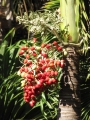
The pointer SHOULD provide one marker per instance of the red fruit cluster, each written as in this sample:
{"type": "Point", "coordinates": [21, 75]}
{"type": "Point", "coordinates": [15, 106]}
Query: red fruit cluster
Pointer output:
{"type": "Point", "coordinates": [39, 70]}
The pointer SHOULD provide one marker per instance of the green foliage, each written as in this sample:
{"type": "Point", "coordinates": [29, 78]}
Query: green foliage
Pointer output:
{"type": "Point", "coordinates": [11, 93]}
{"type": "Point", "coordinates": [85, 87]}
{"type": "Point", "coordinates": [82, 20]}
{"type": "Point", "coordinates": [88, 76]}
{"type": "Point", "coordinates": [52, 4]}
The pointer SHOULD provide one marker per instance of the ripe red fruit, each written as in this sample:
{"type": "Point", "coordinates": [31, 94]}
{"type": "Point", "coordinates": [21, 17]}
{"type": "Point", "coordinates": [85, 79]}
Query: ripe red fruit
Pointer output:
{"type": "Point", "coordinates": [55, 73]}
{"type": "Point", "coordinates": [29, 80]}
{"type": "Point", "coordinates": [28, 76]}
{"type": "Point", "coordinates": [51, 64]}
{"type": "Point", "coordinates": [48, 46]}
{"type": "Point", "coordinates": [26, 69]}
{"type": "Point", "coordinates": [42, 61]}
{"type": "Point", "coordinates": [32, 103]}
{"type": "Point", "coordinates": [47, 60]}
{"type": "Point", "coordinates": [54, 80]}
{"type": "Point", "coordinates": [32, 48]}
{"type": "Point", "coordinates": [49, 82]}
{"type": "Point", "coordinates": [44, 54]}
{"type": "Point", "coordinates": [32, 96]}
{"type": "Point", "coordinates": [62, 64]}
{"type": "Point", "coordinates": [22, 69]}
{"type": "Point", "coordinates": [25, 61]}
{"type": "Point", "coordinates": [26, 99]}
{"type": "Point", "coordinates": [39, 84]}
{"type": "Point", "coordinates": [27, 56]}
{"type": "Point", "coordinates": [25, 94]}
{"type": "Point", "coordinates": [29, 62]}
{"type": "Point", "coordinates": [43, 45]}
{"type": "Point", "coordinates": [57, 62]}
{"type": "Point", "coordinates": [55, 43]}
{"type": "Point", "coordinates": [44, 67]}
{"type": "Point", "coordinates": [47, 78]}
{"type": "Point", "coordinates": [24, 48]}
{"type": "Point", "coordinates": [59, 48]}
{"type": "Point", "coordinates": [52, 73]}
{"type": "Point", "coordinates": [21, 52]}
{"type": "Point", "coordinates": [34, 54]}
{"type": "Point", "coordinates": [34, 40]}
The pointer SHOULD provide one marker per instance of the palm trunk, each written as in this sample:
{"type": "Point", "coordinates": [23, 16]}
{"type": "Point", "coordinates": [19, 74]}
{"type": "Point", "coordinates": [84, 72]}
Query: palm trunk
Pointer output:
{"type": "Point", "coordinates": [69, 103]}
{"type": "Point", "coordinates": [6, 17]}
{"type": "Point", "coordinates": [0, 33]}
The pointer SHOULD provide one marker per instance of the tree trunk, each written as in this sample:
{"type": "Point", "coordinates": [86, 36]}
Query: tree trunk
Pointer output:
{"type": "Point", "coordinates": [6, 17]}
{"type": "Point", "coordinates": [69, 102]}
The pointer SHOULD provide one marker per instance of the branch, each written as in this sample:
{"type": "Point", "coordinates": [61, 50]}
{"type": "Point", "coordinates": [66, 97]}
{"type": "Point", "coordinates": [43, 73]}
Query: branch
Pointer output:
{"type": "Point", "coordinates": [52, 31]}
{"type": "Point", "coordinates": [57, 35]}
{"type": "Point", "coordinates": [73, 44]}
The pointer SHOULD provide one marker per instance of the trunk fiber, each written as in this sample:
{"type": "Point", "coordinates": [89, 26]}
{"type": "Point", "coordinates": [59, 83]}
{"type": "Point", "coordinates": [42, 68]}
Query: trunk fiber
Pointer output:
{"type": "Point", "coordinates": [69, 102]}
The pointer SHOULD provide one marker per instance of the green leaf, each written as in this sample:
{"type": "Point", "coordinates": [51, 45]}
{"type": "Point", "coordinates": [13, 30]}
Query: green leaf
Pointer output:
{"type": "Point", "coordinates": [10, 35]}
{"type": "Point", "coordinates": [43, 96]}
{"type": "Point", "coordinates": [49, 105]}
{"type": "Point", "coordinates": [41, 106]}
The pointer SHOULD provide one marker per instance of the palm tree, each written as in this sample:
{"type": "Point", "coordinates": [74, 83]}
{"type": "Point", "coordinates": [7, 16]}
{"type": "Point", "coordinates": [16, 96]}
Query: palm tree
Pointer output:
{"type": "Point", "coordinates": [70, 103]}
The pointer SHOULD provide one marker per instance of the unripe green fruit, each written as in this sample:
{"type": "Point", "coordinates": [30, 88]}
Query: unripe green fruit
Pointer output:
{"type": "Point", "coordinates": [38, 48]}
{"type": "Point", "coordinates": [65, 53]}
{"type": "Point", "coordinates": [19, 73]}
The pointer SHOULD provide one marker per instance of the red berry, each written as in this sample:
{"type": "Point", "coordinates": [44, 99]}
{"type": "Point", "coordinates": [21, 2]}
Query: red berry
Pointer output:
{"type": "Point", "coordinates": [27, 56]}
{"type": "Point", "coordinates": [34, 40]}
{"type": "Point", "coordinates": [44, 67]}
{"type": "Point", "coordinates": [34, 54]}
{"type": "Point", "coordinates": [55, 43]}
{"type": "Point", "coordinates": [21, 52]}
{"type": "Point", "coordinates": [48, 46]}
{"type": "Point", "coordinates": [42, 61]}
{"type": "Point", "coordinates": [32, 48]}
{"type": "Point", "coordinates": [55, 73]}
{"type": "Point", "coordinates": [26, 69]}
{"type": "Point", "coordinates": [49, 82]}
{"type": "Point", "coordinates": [22, 69]}
{"type": "Point", "coordinates": [51, 64]}
{"type": "Point", "coordinates": [39, 84]}
{"type": "Point", "coordinates": [32, 103]}
{"type": "Point", "coordinates": [44, 54]}
{"type": "Point", "coordinates": [43, 45]}
{"type": "Point", "coordinates": [25, 94]}
{"type": "Point", "coordinates": [62, 64]}
{"type": "Point", "coordinates": [32, 96]}
{"type": "Point", "coordinates": [54, 80]}
{"type": "Point", "coordinates": [25, 61]}
{"type": "Point", "coordinates": [52, 73]}
{"type": "Point", "coordinates": [24, 48]}
{"type": "Point", "coordinates": [59, 48]}
{"type": "Point", "coordinates": [57, 62]}
{"type": "Point", "coordinates": [47, 60]}
{"type": "Point", "coordinates": [29, 62]}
